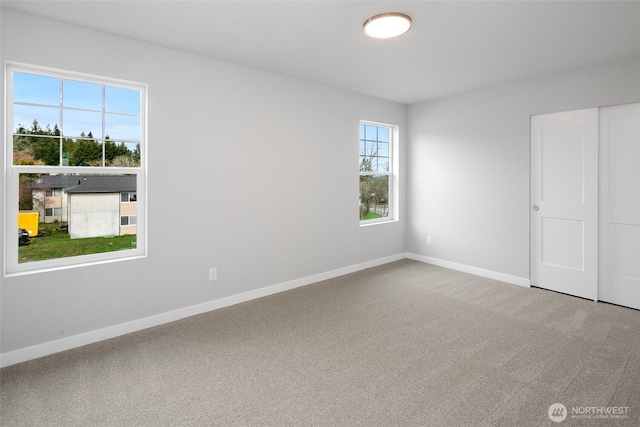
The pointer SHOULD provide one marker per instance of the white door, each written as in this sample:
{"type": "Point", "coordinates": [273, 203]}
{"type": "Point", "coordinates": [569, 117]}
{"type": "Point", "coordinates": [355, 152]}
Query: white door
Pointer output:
{"type": "Point", "coordinates": [620, 205]}
{"type": "Point", "coordinates": [564, 202]}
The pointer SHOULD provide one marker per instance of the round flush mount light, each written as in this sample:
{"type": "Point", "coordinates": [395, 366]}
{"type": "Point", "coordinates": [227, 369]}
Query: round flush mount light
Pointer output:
{"type": "Point", "coordinates": [387, 25]}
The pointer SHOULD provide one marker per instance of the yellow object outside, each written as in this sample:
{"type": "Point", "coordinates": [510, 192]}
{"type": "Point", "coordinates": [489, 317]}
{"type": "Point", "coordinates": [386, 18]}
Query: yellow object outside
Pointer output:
{"type": "Point", "coordinates": [29, 221]}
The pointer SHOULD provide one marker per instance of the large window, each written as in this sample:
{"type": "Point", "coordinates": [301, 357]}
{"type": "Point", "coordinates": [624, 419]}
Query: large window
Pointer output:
{"type": "Point", "coordinates": [74, 144]}
{"type": "Point", "coordinates": [377, 172]}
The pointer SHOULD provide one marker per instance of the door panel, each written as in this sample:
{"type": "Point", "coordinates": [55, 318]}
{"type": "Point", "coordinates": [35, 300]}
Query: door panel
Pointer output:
{"type": "Point", "coordinates": [562, 243]}
{"type": "Point", "coordinates": [564, 201]}
{"type": "Point", "coordinates": [620, 205]}
{"type": "Point", "coordinates": [562, 161]}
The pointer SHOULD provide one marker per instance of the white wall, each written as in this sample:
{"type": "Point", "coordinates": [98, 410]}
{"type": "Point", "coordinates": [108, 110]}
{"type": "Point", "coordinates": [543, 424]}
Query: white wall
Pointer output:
{"type": "Point", "coordinates": [94, 215]}
{"type": "Point", "coordinates": [468, 165]}
{"type": "Point", "coordinates": [270, 164]}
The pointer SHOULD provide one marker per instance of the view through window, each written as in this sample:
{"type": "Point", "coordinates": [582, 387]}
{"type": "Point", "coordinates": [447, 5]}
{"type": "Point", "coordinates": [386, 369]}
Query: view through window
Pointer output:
{"type": "Point", "coordinates": [375, 171]}
{"type": "Point", "coordinates": [75, 167]}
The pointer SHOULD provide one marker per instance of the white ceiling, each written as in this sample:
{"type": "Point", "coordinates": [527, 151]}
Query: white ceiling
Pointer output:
{"type": "Point", "coordinates": [453, 47]}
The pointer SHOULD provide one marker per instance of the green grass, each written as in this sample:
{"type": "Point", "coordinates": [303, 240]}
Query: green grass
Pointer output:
{"type": "Point", "coordinates": [59, 245]}
{"type": "Point", "coordinates": [370, 215]}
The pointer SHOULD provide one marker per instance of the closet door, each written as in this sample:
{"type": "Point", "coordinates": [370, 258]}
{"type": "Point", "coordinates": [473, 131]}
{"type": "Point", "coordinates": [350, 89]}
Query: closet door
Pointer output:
{"type": "Point", "coordinates": [620, 205]}
{"type": "Point", "coordinates": [564, 202]}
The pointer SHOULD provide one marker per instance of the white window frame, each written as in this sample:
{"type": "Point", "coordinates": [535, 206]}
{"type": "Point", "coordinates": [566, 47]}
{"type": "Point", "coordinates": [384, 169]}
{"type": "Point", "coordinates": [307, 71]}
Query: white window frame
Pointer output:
{"type": "Point", "coordinates": [394, 181]}
{"type": "Point", "coordinates": [11, 174]}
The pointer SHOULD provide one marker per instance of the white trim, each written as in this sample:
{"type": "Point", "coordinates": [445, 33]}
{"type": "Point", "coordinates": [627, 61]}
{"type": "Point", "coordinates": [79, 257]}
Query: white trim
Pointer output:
{"type": "Point", "coordinates": [73, 75]}
{"type": "Point", "coordinates": [393, 196]}
{"type": "Point", "coordinates": [514, 280]}
{"type": "Point", "coordinates": [11, 172]}
{"type": "Point", "coordinates": [51, 347]}
{"type": "Point", "coordinates": [377, 221]}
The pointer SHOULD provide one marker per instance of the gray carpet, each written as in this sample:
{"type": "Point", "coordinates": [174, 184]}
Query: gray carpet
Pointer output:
{"type": "Point", "coordinates": [404, 344]}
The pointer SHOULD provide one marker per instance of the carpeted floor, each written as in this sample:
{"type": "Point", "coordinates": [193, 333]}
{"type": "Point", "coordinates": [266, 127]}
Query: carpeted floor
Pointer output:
{"type": "Point", "coordinates": [404, 344]}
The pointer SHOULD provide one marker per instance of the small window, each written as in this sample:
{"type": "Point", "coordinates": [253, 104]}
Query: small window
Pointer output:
{"type": "Point", "coordinates": [128, 197]}
{"type": "Point", "coordinates": [53, 212]}
{"type": "Point", "coordinates": [76, 146]}
{"type": "Point", "coordinates": [376, 172]}
{"type": "Point", "coordinates": [128, 220]}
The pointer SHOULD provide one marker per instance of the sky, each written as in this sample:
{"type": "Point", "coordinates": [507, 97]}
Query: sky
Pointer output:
{"type": "Point", "coordinates": [38, 97]}
{"type": "Point", "coordinates": [374, 145]}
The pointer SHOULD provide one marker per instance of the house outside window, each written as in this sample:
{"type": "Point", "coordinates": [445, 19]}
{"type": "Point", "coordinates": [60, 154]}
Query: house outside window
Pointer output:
{"type": "Point", "coordinates": [378, 173]}
{"type": "Point", "coordinates": [75, 143]}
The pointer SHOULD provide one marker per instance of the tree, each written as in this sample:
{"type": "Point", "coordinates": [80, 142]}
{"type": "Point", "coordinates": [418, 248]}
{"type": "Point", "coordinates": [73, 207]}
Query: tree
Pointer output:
{"type": "Point", "coordinates": [136, 154]}
{"type": "Point", "coordinates": [25, 197]}
{"type": "Point", "coordinates": [25, 158]}
{"type": "Point", "coordinates": [86, 152]}
{"type": "Point", "coordinates": [113, 150]}
{"type": "Point", "coordinates": [47, 150]}
{"type": "Point", "coordinates": [40, 144]}
{"type": "Point", "coordinates": [124, 161]}
{"type": "Point", "coordinates": [374, 189]}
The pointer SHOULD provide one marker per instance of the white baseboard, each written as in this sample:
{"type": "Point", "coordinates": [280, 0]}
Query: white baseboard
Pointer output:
{"type": "Point", "coordinates": [40, 350]}
{"type": "Point", "coordinates": [514, 280]}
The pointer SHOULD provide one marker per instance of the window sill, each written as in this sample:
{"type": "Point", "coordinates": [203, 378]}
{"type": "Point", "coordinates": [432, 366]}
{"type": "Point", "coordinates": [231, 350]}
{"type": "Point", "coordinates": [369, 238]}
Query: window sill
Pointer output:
{"type": "Point", "coordinates": [371, 222]}
{"type": "Point", "coordinates": [80, 261]}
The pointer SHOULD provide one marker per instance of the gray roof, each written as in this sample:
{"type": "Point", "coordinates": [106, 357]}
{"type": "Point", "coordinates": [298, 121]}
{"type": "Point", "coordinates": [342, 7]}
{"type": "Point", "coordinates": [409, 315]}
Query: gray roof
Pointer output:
{"type": "Point", "coordinates": [56, 181]}
{"type": "Point", "coordinates": [89, 183]}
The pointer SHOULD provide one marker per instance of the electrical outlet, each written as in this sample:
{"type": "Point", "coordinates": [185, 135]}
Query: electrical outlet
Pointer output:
{"type": "Point", "coordinates": [213, 274]}
{"type": "Point", "coordinates": [428, 240]}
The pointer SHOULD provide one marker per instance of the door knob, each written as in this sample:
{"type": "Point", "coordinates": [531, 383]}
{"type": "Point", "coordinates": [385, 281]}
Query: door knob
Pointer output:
{"type": "Point", "coordinates": [536, 208]}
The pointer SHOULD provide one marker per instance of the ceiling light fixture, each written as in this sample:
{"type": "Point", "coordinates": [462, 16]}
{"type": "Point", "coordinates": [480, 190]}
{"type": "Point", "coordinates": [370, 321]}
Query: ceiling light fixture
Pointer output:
{"type": "Point", "coordinates": [387, 25]}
